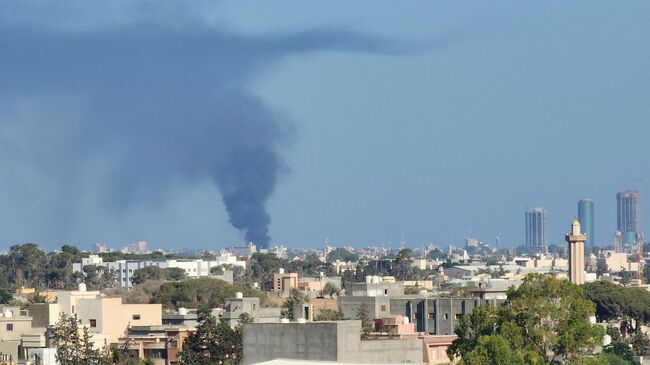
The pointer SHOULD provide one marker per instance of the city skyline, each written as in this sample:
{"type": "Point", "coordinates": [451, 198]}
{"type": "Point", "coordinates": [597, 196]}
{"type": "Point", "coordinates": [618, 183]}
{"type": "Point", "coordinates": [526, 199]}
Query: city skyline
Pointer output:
{"type": "Point", "coordinates": [586, 219]}
{"type": "Point", "coordinates": [200, 124]}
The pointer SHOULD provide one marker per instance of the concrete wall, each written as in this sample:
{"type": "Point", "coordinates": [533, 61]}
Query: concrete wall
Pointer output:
{"type": "Point", "coordinates": [377, 306]}
{"type": "Point", "coordinates": [325, 341]}
{"type": "Point", "coordinates": [268, 341]}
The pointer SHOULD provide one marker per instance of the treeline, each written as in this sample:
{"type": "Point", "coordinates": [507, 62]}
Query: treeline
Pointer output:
{"type": "Point", "coordinates": [26, 265]}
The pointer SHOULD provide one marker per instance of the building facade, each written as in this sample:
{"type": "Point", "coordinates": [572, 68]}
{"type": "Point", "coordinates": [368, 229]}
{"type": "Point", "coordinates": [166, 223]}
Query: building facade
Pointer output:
{"type": "Point", "coordinates": [627, 215]}
{"type": "Point", "coordinates": [586, 219]}
{"type": "Point", "coordinates": [124, 269]}
{"type": "Point", "coordinates": [536, 228]}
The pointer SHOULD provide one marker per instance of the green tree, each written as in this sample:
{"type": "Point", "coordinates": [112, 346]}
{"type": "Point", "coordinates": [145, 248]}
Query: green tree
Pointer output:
{"type": "Point", "coordinates": [614, 303]}
{"type": "Point", "coordinates": [343, 255]}
{"type": "Point", "coordinates": [640, 344]}
{"type": "Point", "coordinates": [493, 350]}
{"type": "Point", "coordinates": [545, 320]}
{"type": "Point", "coordinates": [329, 315]}
{"type": "Point", "coordinates": [74, 346]}
{"type": "Point", "coordinates": [295, 297]}
{"type": "Point", "coordinates": [200, 293]}
{"type": "Point", "coordinates": [213, 343]}
{"type": "Point", "coordinates": [174, 273]}
{"type": "Point", "coordinates": [263, 265]}
{"type": "Point", "coordinates": [367, 323]}
{"type": "Point", "coordinates": [402, 270]}
{"type": "Point", "coordinates": [331, 289]}
{"type": "Point", "coordinates": [147, 273]}
{"type": "Point", "coordinates": [621, 349]}
{"type": "Point", "coordinates": [5, 298]}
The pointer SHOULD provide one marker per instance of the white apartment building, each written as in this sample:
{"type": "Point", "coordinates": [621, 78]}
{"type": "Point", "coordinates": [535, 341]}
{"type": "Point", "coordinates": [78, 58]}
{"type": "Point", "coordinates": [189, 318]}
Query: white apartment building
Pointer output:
{"type": "Point", "coordinates": [124, 269]}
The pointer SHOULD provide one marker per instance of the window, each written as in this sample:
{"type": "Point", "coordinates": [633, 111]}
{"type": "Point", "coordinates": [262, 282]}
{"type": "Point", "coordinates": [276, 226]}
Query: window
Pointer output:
{"type": "Point", "coordinates": [253, 306]}
{"type": "Point", "coordinates": [385, 291]}
{"type": "Point", "coordinates": [136, 317]}
{"type": "Point", "coordinates": [130, 271]}
{"type": "Point", "coordinates": [124, 271]}
{"type": "Point", "coordinates": [93, 323]}
{"type": "Point", "coordinates": [73, 309]}
{"type": "Point", "coordinates": [173, 344]}
{"type": "Point", "coordinates": [458, 315]}
{"type": "Point", "coordinates": [23, 313]}
{"type": "Point", "coordinates": [382, 308]}
{"type": "Point", "coordinates": [446, 315]}
{"type": "Point", "coordinates": [431, 316]}
{"type": "Point", "coordinates": [10, 326]}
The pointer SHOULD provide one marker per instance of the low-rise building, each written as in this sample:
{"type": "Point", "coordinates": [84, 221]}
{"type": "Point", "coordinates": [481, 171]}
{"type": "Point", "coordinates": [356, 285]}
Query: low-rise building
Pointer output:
{"type": "Point", "coordinates": [284, 281]}
{"type": "Point", "coordinates": [375, 286]}
{"type": "Point", "coordinates": [235, 307]}
{"type": "Point", "coordinates": [326, 341]}
{"type": "Point", "coordinates": [106, 318]}
{"type": "Point", "coordinates": [430, 315]}
{"type": "Point", "coordinates": [124, 269]}
{"type": "Point", "coordinates": [161, 345]}
{"type": "Point", "coordinates": [17, 334]}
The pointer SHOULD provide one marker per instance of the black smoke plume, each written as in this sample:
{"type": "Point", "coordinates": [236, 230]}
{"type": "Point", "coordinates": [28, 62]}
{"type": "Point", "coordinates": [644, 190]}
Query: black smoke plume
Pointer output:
{"type": "Point", "coordinates": [137, 103]}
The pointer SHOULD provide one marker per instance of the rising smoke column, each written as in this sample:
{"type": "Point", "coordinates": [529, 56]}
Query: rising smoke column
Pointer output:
{"type": "Point", "coordinates": [115, 110]}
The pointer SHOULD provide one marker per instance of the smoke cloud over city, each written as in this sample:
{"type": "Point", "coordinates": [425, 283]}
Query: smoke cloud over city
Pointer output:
{"type": "Point", "coordinates": [129, 103]}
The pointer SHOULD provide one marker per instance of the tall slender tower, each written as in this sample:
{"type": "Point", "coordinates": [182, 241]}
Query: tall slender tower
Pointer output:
{"type": "Point", "coordinates": [586, 219]}
{"type": "Point", "coordinates": [536, 228]}
{"type": "Point", "coordinates": [576, 241]}
{"type": "Point", "coordinates": [627, 217]}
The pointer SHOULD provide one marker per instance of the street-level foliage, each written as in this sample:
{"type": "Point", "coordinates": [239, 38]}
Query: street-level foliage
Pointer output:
{"type": "Point", "coordinates": [74, 345]}
{"type": "Point", "coordinates": [213, 343]}
{"type": "Point", "coordinates": [331, 289]}
{"type": "Point", "coordinates": [367, 324]}
{"type": "Point", "coordinates": [616, 304]}
{"type": "Point", "coordinates": [329, 315]}
{"type": "Point", "coordinates": [295, 297]}
{"type": "Point", "coordinates": [200, 293]}
{"type": "Point", "coordinates": [343, 255]}
{"type": "Point", "coordinates": [156, 273]}
{"type": "Point", "coordinates": [544, 321]}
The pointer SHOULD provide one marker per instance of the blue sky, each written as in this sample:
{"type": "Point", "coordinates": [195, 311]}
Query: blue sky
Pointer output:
{"type": "Point", "coordinates": [427, 121]}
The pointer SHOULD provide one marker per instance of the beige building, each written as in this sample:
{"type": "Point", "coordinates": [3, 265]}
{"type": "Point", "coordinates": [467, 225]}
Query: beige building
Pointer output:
{"type": "Point", "coordinates": [285, 282]}
{"type": "Point", "coordinates": [17, 334]}
{"type": "Point", "coordinates": [106, 318]}
{"type": "Point", "coordinates": [617, 261]}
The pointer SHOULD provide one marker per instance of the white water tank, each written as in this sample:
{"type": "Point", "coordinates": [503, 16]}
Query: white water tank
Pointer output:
{"type": "Point", "coordinates": [82, 287]}
{"type": "Point", "coordinates": [592, 319]}
{"type": "Point", "coordinates": [284, 320]}
{"type": "Point", "coordinates": [376, 279]}
{"type": "Point", "coordinates": [281, 271]}
{"type": "Point", "coordinates": [7, 313]}
{"type": "Point", "coordinates": [302, 320]}
{"type": "Point", "coordinates": [256, 285]}
{"type": "Point", "coordinates": [405, 320]}
{"type": "Point", "coordinates": [182, 311]}
{"type": "Point", "coordinates": [239, 295]}
{"type": "Point", "coordinates": [368, 279]}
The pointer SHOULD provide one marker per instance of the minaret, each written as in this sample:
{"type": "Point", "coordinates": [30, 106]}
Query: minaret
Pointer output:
{"type": "Point", "coordinates": [576, 241]}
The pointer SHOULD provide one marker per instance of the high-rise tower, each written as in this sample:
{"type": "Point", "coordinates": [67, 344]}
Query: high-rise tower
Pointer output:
{"type": "Point", "coordinates": [536, 228]}
{"type": "Point", "coordinates": [576, 249]}
{"type": "Point", "coordinates": [627, 217]}
{"type": "Point", "coordinates": [586, 219]}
